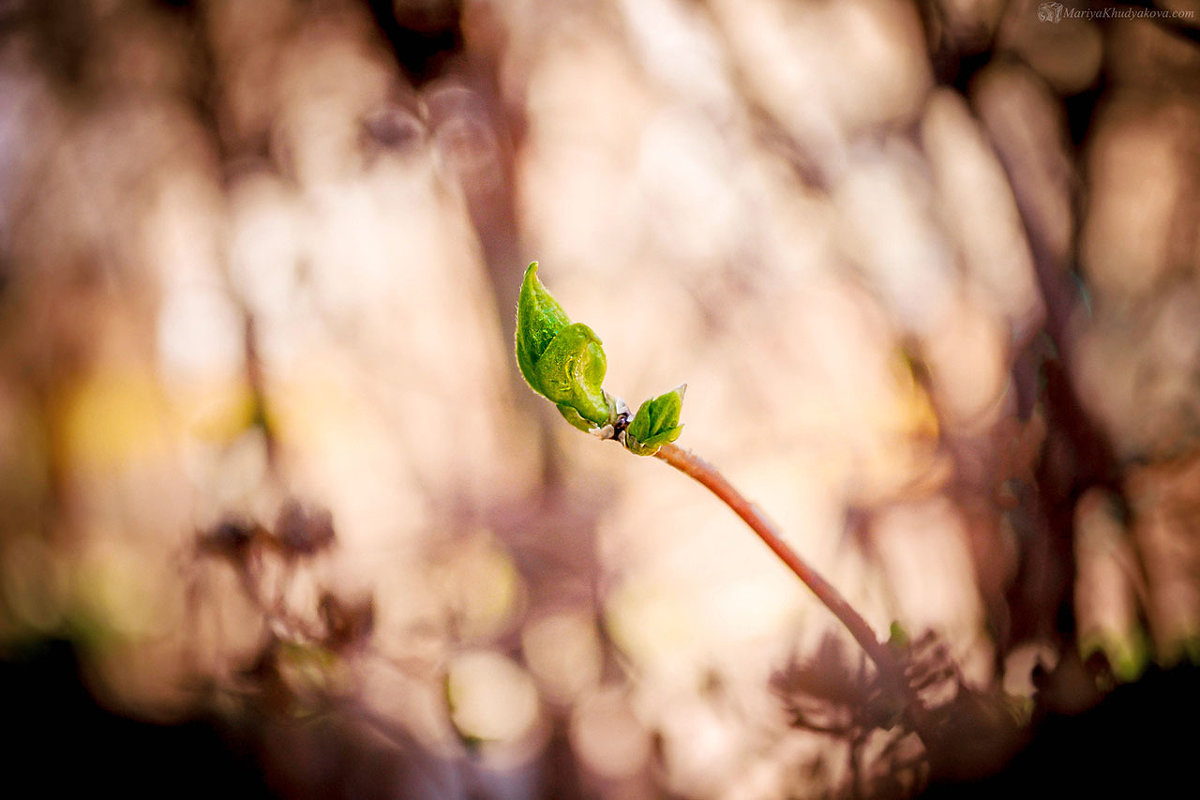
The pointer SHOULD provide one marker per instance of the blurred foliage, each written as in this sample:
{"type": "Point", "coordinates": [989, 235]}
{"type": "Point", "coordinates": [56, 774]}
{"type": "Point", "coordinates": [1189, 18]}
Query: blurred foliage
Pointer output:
{"type": "Point", "coordinates": [930, 268]}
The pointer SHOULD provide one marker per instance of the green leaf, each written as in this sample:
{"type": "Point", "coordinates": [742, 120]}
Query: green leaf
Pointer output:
{"type": "Point", "coordinates": [571, 370]}
{"type": "Point", "coordinates": [656, 423]}
{"type": "Point", "coordinates": [539, 320]}
{"type": "Point", "coordinates": [561, 360]}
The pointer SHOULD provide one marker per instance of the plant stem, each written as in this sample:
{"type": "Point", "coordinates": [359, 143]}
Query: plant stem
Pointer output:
{"type": "Point", "coordinates": [697, 468]}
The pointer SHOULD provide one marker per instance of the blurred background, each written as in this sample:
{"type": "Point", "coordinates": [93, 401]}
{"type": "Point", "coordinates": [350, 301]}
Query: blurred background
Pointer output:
{"type": "Point", "coordinates": [278, 515]}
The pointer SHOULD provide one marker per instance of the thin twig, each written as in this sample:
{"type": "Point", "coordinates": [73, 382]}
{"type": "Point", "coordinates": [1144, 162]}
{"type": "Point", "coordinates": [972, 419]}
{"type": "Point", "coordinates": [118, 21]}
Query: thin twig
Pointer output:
{"type": "Point", "coordinates": [700, 470]}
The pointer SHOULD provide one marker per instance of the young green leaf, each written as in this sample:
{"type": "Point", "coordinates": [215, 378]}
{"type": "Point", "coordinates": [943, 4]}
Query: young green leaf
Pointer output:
{"type": "Point", "coordinates": [656, 423]}
{"type": "Point", "coordinates": [560, 360]}
{"type": "Point", "coordinates": [571, 371]}
{"type": "Point", "coordinates": [898, 638]}
{"type": "Point", "coordinates": [539, 320]}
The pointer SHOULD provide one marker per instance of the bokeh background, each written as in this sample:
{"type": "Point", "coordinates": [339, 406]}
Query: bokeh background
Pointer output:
{"type": "Point", "coordinates": [277, 511]}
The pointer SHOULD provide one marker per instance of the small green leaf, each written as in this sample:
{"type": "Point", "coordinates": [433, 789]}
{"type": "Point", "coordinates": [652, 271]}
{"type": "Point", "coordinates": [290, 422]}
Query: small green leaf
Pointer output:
{"type": "Point", "coordinates": [571, 370]}
{"type": "Point", "coordinates": [562, 361]}
{"type": "Point", "coordinates": [539, 320]}
{"type": "Point", "coordinates": [898, 638]}
{"type": "Point", "coordinates": [656, 423]}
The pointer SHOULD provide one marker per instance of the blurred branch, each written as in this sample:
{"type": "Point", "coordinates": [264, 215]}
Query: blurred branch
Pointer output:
{"type": "Point", "coordinates": [1077, 454]}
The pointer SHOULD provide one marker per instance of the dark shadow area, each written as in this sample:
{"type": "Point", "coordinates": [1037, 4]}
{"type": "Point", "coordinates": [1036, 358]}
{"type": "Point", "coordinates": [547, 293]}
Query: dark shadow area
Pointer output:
{"type": "Point", "coordinates": [60, 741]}
{"type": "Point", "coordinates": [1139, 741]}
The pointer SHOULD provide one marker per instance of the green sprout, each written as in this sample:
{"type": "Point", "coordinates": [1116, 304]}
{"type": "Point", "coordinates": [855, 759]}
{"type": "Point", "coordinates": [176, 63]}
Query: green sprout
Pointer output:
{"type": "Point", "coordinates": [564, 362]}
{"type": "Point", "coordinates": [656, 423]}
{"type": "Point", "coordinates": [561, 360]}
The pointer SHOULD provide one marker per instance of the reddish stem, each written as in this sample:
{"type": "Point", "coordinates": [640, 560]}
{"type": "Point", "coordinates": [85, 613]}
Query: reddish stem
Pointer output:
{"type": "Point", "coordinates": [697, 468]}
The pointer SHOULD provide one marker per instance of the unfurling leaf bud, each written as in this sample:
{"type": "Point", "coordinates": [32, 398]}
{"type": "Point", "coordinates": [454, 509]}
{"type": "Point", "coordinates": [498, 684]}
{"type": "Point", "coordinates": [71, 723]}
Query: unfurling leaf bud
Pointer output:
{"type": "Point", "coordinates": [656, 423]}
{"type": "Point", "coordinates": [561, 360]}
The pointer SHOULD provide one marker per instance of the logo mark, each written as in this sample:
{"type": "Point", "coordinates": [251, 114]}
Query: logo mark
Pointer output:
{"type": "Point", "coordinates": [1050, 12]}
